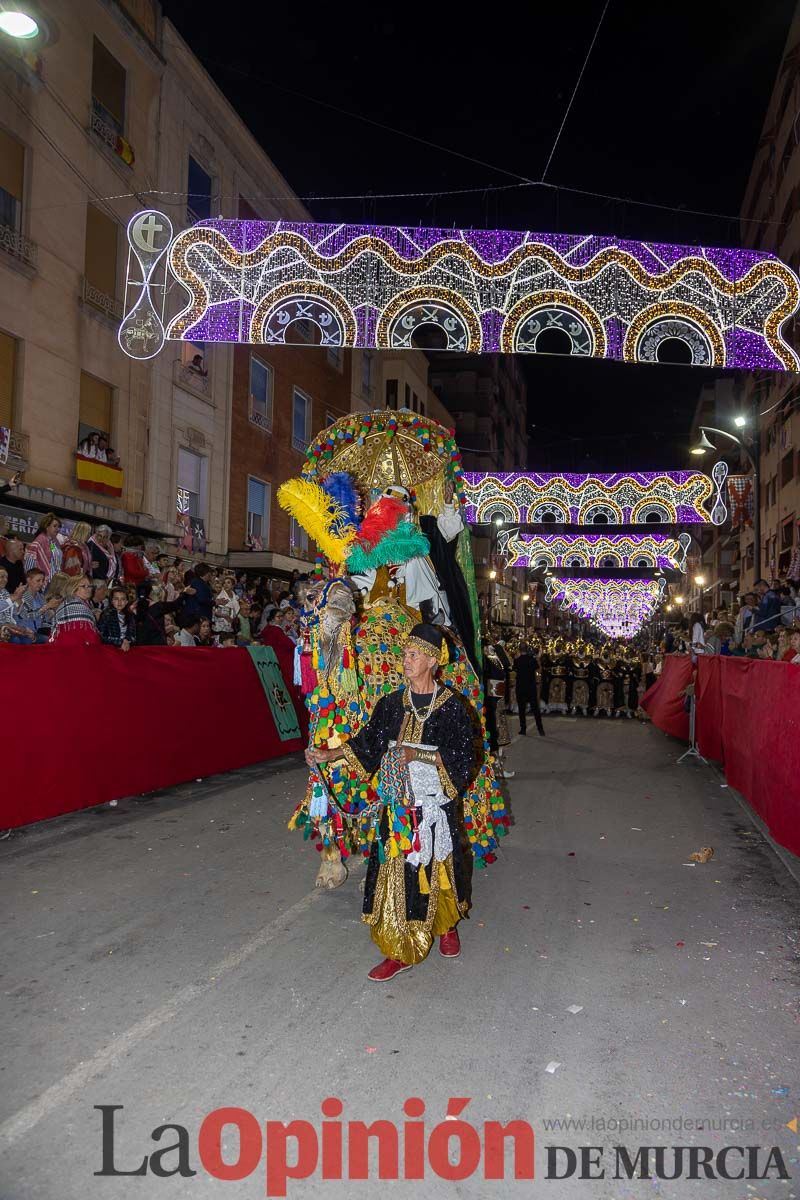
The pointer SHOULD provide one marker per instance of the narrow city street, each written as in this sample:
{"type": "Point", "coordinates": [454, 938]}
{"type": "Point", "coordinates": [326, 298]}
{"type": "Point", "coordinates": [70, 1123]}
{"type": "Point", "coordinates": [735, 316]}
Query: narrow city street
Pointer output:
{"type": "Point", "coordinates": [172, 956]}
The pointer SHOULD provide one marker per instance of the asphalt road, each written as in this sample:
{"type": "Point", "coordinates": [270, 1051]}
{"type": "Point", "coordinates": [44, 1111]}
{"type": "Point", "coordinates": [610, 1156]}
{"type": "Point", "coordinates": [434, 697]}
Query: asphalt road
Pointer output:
{"type": "Point", "coordinates": [172, 956]}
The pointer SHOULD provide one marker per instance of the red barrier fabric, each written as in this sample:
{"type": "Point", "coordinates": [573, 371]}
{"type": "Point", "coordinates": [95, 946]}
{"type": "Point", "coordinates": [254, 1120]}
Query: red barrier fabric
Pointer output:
{"type": "Point", "coordinates": [663, 700]}
{"type": "Point", "coordinates": [708, 719]}
{"type": "Point", "coordinates": [749, 710]}
{"type": "Point", "coordinates": [83, 725]}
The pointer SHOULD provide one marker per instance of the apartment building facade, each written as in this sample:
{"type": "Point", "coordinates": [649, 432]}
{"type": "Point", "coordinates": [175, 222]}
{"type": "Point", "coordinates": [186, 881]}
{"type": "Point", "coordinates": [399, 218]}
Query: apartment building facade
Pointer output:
{"type": "Point", "coordinates": [78, 119]}
{"type": "Point", "coordinates": [771, 400]}
{"type": "Point", "coordinates": [111, 114]}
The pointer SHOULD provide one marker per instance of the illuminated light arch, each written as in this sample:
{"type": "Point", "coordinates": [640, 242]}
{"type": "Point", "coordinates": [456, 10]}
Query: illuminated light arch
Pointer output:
{"type": "Point", "coordinates": [495, 507]}
{"type": "Point", "coordinates": [611, 511]}
{"type": "Point", "coordinates": [306, 301]}
{"type": "Point", "coordinates": [674, 319]}
{"type": "Point", "coordinates": [656, 550]}
{"type": "Point", "coordinates": [619, 607]}
{"type": "Point", "coordinates": [645, 512]}
{"type": "Point", "coordinates": [550, 511]}
{"type": "Point", "coordinates": [528, 496]}
{"type": "Point", "coordinates": [415, 307]}
{"type": "Point", "coordinates": [553, 310]}
{"type": "Point", "coordinates": [494, 281]}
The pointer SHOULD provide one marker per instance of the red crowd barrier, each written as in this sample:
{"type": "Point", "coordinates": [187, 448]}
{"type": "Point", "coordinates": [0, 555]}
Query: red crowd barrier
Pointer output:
{"type": "Point", "coordinates": [747, 719]}
{"type": "Point", "coordinates": [664, 702]}
{"type": "Point", "coordinates": [87, 724]}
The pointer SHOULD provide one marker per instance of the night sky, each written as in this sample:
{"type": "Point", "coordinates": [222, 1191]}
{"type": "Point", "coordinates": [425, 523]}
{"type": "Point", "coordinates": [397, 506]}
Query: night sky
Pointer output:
{"type": "Point", "coordinates": [669, 112]}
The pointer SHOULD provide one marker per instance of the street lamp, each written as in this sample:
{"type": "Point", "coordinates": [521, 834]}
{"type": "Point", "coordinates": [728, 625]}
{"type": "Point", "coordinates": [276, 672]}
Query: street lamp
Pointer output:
{"type": "Point", "coordinates": [699, 580]}
{"type": "Point", "coordinates": [703, 445]}
{"type": "Point", "coordinates": [18, 24]}
{"type": "Point", "coordinates": [493, 574]}
{"type": "Point", "coordinates": [754, 459]}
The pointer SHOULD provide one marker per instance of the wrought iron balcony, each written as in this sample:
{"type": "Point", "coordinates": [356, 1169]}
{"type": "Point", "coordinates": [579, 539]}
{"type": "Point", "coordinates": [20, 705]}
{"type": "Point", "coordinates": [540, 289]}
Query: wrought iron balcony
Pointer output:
{"type": "Point", "coordinates": [17, 246]}
{"type": "Point", "coordinates": [108, 305]}
{"type": "Point", "coordinates": [100, 125]}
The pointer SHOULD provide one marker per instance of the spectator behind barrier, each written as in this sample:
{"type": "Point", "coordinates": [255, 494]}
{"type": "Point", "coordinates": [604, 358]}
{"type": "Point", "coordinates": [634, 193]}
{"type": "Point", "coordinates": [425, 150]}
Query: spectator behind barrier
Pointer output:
{"type": "Point", "coordinates": [768, 613]}
{"type": "Point", "coordinates": [12, 561]}
{"type": "Point", "coordinates": [76, 554]}
{"type": "Point", "coordinates": [74, 623]}
{"type": "Point", "coordinates": [117, 626]}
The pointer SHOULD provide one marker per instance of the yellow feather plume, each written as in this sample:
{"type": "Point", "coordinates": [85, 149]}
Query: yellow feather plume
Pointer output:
{"type": "Point", "coordinates": [315, 512]}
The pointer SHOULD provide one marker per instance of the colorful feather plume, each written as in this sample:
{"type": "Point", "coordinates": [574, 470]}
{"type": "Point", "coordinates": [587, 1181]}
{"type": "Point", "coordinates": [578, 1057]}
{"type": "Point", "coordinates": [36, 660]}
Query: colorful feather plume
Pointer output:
{"type": "Point", "coordinates": [397, 546]}
{"type": "Point", "coordinates": [341, 488]}
{"type": "Point", "coordinates": [319, 515]}
{"type": "Point", "coordinates": [380, 518]}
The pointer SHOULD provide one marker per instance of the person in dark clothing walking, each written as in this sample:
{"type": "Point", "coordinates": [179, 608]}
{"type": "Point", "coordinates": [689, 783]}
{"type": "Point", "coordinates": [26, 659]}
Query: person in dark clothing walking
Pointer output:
{"type": "Point", "coordinates": [525, 666]}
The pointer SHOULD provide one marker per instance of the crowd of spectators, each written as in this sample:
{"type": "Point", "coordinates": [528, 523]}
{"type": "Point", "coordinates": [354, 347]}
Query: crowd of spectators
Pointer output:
{"type": "Point", "coordinates": [99, 587]}
{"type": "Point", "coordinates": [765, 624]}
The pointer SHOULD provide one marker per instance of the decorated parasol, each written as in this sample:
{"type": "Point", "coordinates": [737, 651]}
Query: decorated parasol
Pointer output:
{"type": "Point", "coordinates": [386, 447]}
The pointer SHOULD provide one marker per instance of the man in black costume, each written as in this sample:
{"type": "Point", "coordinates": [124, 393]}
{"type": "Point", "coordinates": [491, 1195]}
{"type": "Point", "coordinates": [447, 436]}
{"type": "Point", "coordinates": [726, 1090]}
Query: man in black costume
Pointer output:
{"type": "Point", "coordinates": [420, 743]}
{"type": "Point", "coordinates": [525, 665]}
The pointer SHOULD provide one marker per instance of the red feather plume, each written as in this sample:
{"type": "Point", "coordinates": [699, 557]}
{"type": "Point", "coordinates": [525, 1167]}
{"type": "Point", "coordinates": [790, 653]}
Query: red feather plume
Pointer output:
{"type": "Point", "coordinates": [380, 518]}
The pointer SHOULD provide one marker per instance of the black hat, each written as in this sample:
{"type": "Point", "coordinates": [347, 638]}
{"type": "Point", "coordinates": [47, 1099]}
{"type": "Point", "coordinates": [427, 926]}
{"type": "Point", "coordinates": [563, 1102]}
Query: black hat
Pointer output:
{"type": "Point", "coordinates": [431, 641]}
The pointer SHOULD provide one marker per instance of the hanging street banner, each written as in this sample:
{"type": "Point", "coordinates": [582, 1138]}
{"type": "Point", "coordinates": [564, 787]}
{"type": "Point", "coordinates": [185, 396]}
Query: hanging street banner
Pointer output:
{"type": "Point", "coordinates": [280, 702]}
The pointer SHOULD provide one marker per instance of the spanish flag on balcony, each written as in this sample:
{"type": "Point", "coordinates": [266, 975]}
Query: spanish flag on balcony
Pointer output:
{"type": "Point", "coordinates": [97, 476]}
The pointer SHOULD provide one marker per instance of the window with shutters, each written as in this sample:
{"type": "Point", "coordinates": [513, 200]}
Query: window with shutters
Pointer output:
{"type": "Point", "coordinates": [96, 408]}
{"type": "Point", "coordinates": [8, 378]}
{"type": "Point", "coordinates": [192, 483]}
{"type": "Point", "coordinates": [12, 178]}
{"type": "Point", "coordinates": [260, 393]}
{"type": "Point", "coordinates": [258, 497]}
{"type": "Point", "coordinates": [301, 420]}
{"type": "Point", "coordinates": [100, 261]}
{"type": "Point", "coordinates": [108, 88]}
{"type": "Point", "coordinates": [199, 186]}
{"type": "Point", "coordinates": [336, 357]}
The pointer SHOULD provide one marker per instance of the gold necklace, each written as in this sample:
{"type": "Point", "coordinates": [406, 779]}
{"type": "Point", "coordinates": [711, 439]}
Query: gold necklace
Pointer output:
{"type": "Point", "coordinates": [423, 717]}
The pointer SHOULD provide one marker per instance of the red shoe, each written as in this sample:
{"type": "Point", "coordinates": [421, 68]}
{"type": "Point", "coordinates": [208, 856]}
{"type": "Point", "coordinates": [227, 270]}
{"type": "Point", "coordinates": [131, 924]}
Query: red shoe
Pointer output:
{"type": "Point", "coordinates": [449, 944]}
{"type": "Point", "coordinates": [387, 970]}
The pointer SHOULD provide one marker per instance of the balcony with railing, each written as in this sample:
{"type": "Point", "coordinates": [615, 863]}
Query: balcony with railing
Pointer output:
{"type": "Point", "coordinates": [18, 451]}
{"type": "Point", "coordinates": [191, 379]}
{"type": "Point", "coordinates": [18, 247]}
{"type": "Point", "coordinates": [109, 306]}
{"type": "Point", "coordinates": [104, 128]}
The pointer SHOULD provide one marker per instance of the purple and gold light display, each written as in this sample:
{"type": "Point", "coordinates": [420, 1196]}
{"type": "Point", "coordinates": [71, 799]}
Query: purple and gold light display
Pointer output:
{"type": "Point", "coordinates": [619, 608]}
{"type": "Point", "coordinates": [598, 550]}
{"type": "Point", "coordinates": [485, 290]}
{"type": "Point", "coordinates": [629, 498]}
